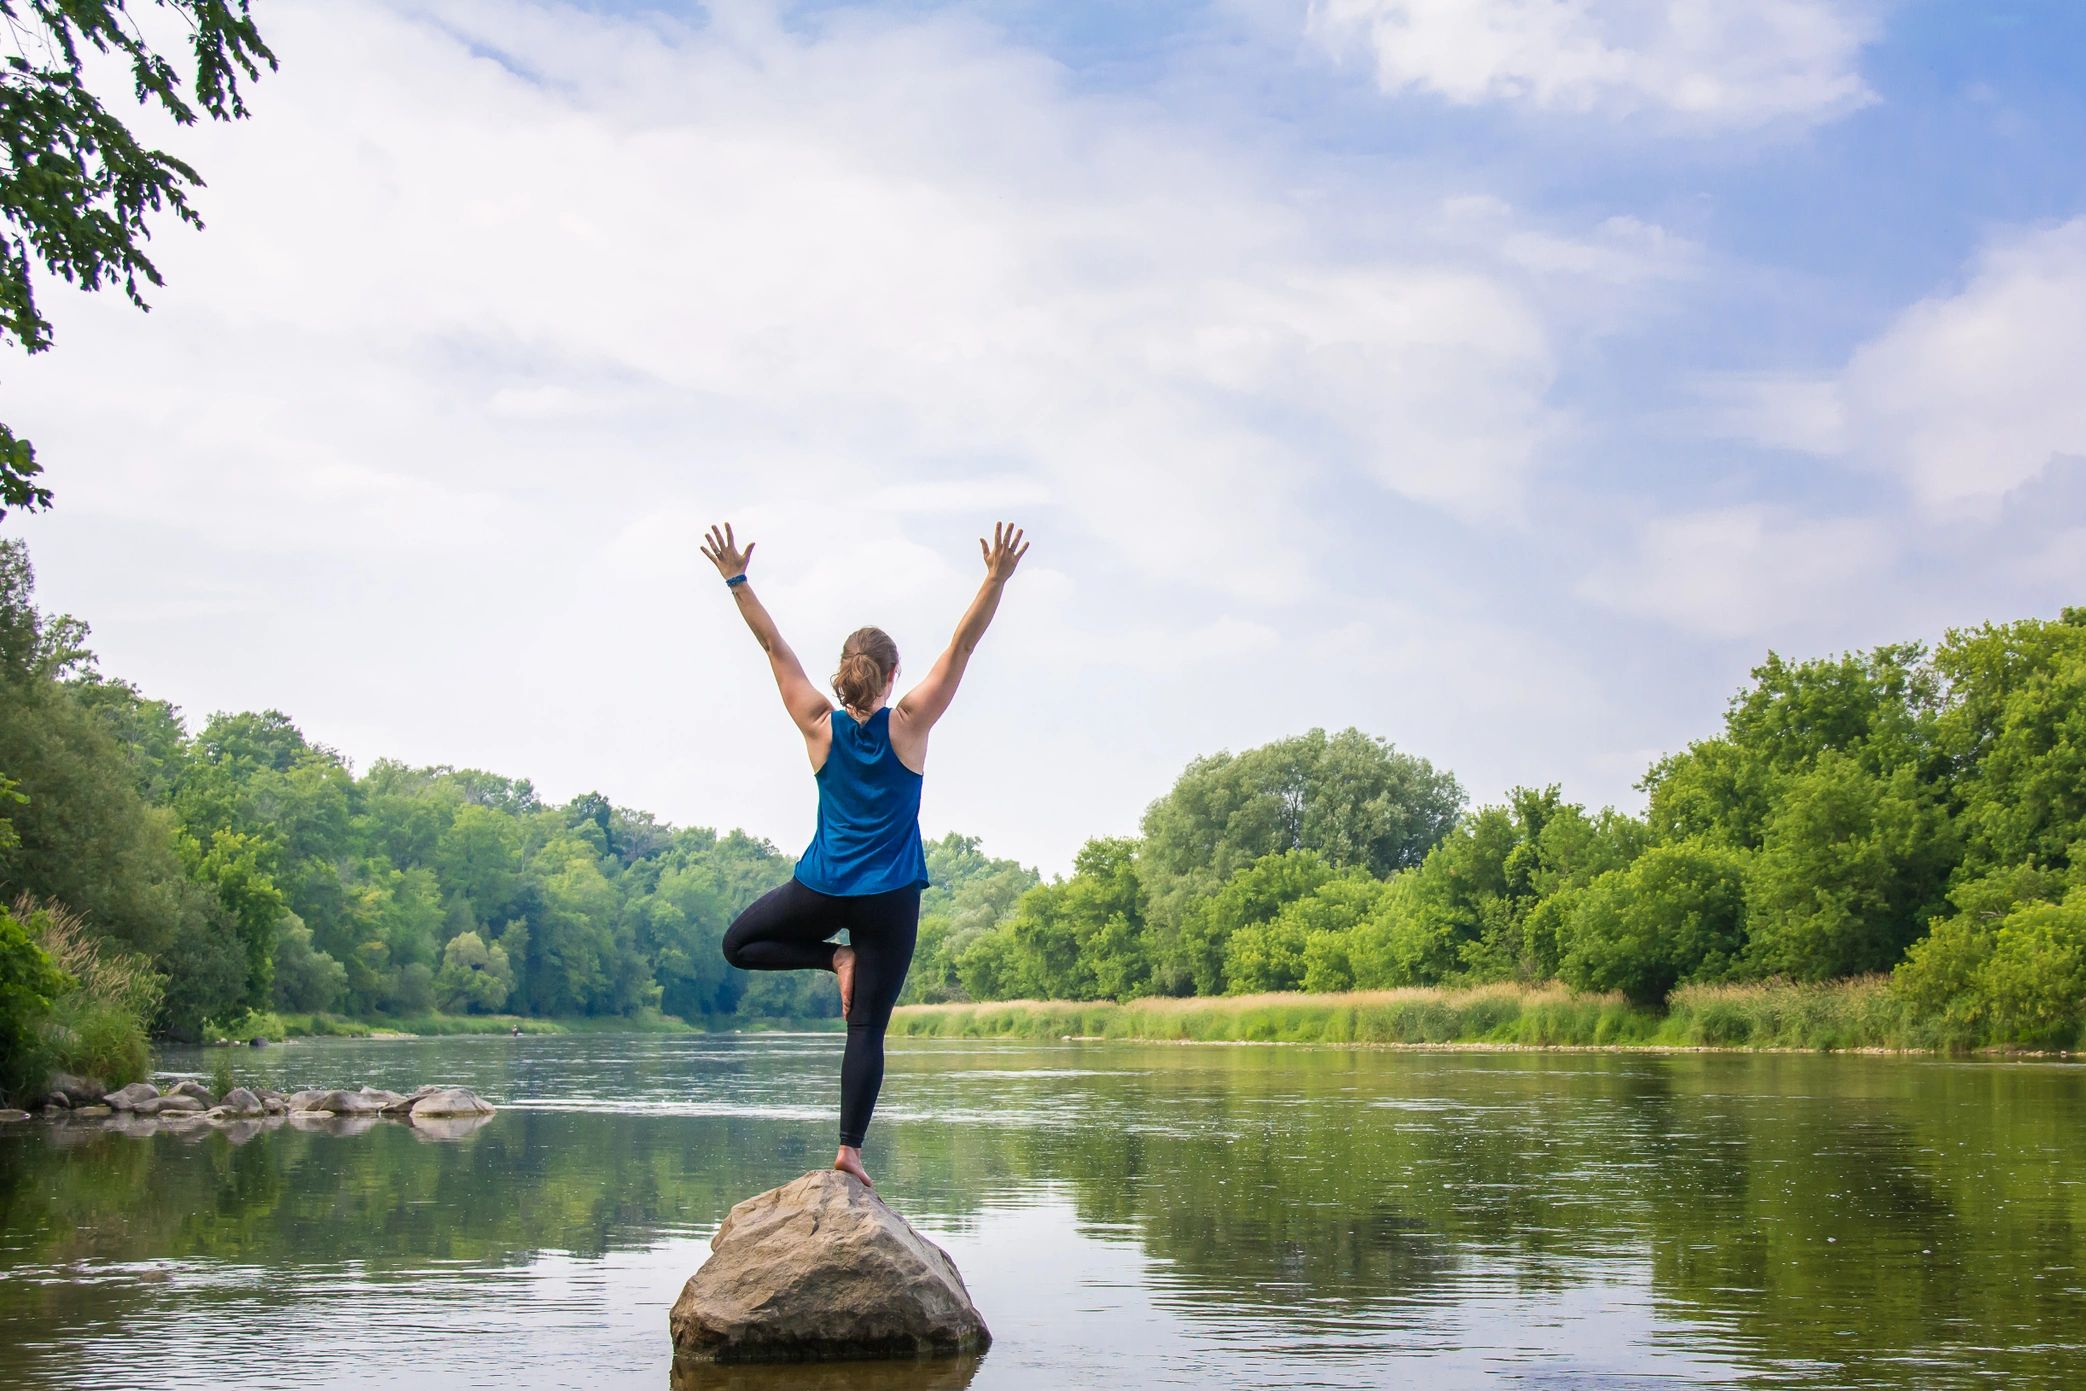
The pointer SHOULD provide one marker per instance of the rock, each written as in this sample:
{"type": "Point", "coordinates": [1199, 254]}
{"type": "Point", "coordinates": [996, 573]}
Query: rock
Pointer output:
{"type": "Point", "coordinates": [79, 1091]}
{"type": "Point", "coordinates": [386, 1101]}
{"type": "Point", "coordinates": [128, 1098]}
{"type": "Point", "coordinates": [338, 1103]}
{"type": "Point", "coordinates": [302, 1100]}
{"type": "Point", "coordinates": [57, 1101]}
{"type": "Point", "coordinates": [9, 1115]}
{"type": "Point", "coordinates": [823, 1269]}
{"type": "Point", "coordinates": [257, 1042]}
{"type": "Point", "coordinates": [89, 1112]}
{"type": "Point", "coordinates": [404, 1104]}
{"type": "Point", "coordinates": [195, 1091]}
{"type": "Point", "coordinates": [451, 1101]}
{"type": "Point", "coordinates": [174, 1103]}
{"type": "Point", "coordinates": [240, 1101]}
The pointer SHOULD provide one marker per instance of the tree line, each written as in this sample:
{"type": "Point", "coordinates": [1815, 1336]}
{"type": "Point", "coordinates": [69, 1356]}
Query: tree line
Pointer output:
{"type": "Point", "coordinates": [1894, 810]}
{"type": "Point", "coordinates": [1904, 810]}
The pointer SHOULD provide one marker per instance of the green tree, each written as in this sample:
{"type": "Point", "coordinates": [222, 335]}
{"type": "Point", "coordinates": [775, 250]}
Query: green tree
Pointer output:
{"type": "Point", "coordinates": [1304, 944]}
{"type": "Point", "coordinates": [1470, 910]}
{"type": "Point", "coordinates": [305, 978]}
{"type": "Point", "coordinates": [2004, 967]}
{"type": "Point", "coordinates": [80, 833]}
{"type": "Point", "coordinates": [1353, 800]}
{"type": "Point", "coordinates": [233, 867]}
{"type": "Point", "coordinates": [475, 978]}
{"type": "Point", "coordinates": [1677, 913]}
{"type": "Point", "coordinates": [29, 983]}
{"type": "Point", "coordinates": [1850, 869]}
{"type": "Point", "coordinates": [1082, 937]}
{"type": "Point", "coordinates": [1255, 893]}
{"type": "Point", "coordinates": [2015, 730]}
{"type": "Point", "coordinates": [1876, 708]}
{"type": "Point", "coordinates": [77, 187]}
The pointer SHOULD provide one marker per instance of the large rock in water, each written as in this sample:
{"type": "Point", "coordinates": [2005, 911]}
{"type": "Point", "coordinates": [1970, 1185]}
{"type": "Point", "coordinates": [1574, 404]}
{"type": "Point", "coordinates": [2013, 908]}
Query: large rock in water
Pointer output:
{"type": "Point", "coordinates": [822, 1269]}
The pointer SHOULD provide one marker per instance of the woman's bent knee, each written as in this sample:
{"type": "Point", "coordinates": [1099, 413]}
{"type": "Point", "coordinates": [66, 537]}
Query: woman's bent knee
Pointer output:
{"type": "Point", "coordinates": [735, 944]}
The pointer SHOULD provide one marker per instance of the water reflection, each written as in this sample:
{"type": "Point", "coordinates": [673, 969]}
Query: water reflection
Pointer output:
{"type": "Point", "coordinates": [1157, 1215]}
{"type": "Point", "coordinates": [947, 1374]}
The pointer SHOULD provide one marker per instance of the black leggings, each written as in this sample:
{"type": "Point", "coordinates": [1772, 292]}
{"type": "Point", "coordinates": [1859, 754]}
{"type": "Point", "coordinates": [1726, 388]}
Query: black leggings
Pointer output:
{"type": "Point", "coordinates": [786, 929]}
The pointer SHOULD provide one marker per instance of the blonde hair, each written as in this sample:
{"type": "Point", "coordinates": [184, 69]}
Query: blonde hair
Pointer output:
{"type": "Point", "coordinates": [867, 661]}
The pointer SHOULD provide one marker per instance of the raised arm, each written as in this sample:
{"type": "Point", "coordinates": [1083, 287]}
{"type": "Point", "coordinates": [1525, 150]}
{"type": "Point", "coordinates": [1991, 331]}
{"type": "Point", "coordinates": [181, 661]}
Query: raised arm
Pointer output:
{"type": "Point", "coordinates": [924, 704]}
{"type": "Point", "coordinates": [808, 709]}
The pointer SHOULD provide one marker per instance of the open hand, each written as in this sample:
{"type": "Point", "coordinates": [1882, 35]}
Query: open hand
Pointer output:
{"type": "Point", "coordinates": [1005, 552]}
{"type": "Point", "coordinates": [721, 549]}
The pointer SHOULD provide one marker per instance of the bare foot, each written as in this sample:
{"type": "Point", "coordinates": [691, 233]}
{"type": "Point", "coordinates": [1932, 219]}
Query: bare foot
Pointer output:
{"type": "Point", "coordinates": [844, 967]}
{"type": "Point", "coordinates": [849, 1161]}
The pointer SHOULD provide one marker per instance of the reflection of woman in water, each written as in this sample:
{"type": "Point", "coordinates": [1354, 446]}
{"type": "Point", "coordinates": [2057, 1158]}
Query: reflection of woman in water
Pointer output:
{"type": "Point", "coordinates": [864, 868]}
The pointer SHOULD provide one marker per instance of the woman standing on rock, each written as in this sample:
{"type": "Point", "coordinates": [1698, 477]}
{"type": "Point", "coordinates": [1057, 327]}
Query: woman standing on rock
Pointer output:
{"type": "Point", "coordinates": [865, 867]}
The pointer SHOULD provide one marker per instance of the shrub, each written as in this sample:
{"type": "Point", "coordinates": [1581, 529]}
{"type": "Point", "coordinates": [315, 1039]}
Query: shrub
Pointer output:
{"type": "Point", "coordinates": [29, 982]}
{"type": "Point", "coordinates": [1677, 912]}
{"type": "Point", "coordinates": [96, 1022]}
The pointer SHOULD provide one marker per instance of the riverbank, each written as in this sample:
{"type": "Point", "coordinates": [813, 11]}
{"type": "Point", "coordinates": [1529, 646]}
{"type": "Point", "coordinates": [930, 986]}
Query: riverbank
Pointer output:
{"type": "Point", "coordinates": [278, 1027]}
{"type": "Point", "coordinates": [1841, 1015]}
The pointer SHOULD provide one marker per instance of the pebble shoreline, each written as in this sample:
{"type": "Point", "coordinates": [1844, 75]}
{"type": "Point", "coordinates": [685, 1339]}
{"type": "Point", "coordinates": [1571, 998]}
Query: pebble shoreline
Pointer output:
{"type": "Point", "coordinates": [432, 1111]}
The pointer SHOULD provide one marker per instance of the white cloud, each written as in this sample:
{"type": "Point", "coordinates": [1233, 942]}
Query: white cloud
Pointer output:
{"type": "Point", "coordinates": [501, 302]}
{"type": "Point", "coordinates": [1748, 571]}
{"type": "Point", "coordinates": [1701, 63]}
{"type": "Point", "coordinates": [887, 247]}
{"type": "Point", "coordinates": [1965, 397]}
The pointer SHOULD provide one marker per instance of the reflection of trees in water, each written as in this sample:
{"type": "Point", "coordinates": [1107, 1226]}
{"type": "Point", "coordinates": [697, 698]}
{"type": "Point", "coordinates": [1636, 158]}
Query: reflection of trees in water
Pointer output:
{"type": "Point", "coordinates": [1252, 1179]}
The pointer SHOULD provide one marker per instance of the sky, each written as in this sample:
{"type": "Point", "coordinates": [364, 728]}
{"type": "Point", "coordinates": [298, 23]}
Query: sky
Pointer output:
{"type": "Point", "coordinates": [1504, 378]}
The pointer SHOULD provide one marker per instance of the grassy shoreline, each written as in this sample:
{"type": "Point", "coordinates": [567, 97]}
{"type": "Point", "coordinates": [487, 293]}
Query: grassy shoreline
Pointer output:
{"type": "Point", "coordinates": [1842, 1016]}
{"type": "Point", "coordinates": [280, 1027]}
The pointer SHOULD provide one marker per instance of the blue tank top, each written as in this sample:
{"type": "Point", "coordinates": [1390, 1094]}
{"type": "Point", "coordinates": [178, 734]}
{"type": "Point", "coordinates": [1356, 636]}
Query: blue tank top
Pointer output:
{"type": "Point", "coordinates": [868, 839]}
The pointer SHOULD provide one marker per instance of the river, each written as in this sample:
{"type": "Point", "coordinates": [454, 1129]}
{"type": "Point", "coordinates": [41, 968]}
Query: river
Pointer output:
{"type": "Point", "coordinates": [1125, 1215]}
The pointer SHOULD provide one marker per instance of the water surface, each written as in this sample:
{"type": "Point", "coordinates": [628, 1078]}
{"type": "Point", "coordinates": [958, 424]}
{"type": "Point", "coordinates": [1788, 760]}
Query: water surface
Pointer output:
{"type": "Point", "coordinates": [1124, 1214]}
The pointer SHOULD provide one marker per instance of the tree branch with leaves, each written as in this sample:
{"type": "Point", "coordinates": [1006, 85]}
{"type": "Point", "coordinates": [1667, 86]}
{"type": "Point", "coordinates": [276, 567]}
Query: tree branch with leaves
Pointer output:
{"type": "Point", "coordinates": [78, 189]}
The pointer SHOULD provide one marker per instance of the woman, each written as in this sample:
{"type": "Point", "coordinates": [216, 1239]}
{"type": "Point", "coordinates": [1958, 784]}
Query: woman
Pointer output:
{"type": "Point", "coordinates": [865, 867]}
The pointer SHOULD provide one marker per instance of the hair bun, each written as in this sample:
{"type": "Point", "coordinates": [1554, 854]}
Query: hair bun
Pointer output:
{"type": "Point", "coordinates": [868, 661]}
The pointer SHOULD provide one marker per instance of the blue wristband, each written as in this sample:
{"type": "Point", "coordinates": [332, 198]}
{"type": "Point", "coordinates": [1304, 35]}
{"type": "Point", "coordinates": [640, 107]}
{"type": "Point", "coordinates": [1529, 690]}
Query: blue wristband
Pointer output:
{"type": "Point", "coordinates": [736, 580]}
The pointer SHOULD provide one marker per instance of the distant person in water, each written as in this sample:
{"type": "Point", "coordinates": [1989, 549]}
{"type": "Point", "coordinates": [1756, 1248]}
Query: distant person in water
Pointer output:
{"type": "Point", "coordinates": [865, 866]}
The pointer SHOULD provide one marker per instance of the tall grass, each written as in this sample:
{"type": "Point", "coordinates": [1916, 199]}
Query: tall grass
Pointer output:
{"type": "Point", "coordinates": [277, 1026]}
{"type": "Point", "coordinates": [97, 1028]}
{"type": "Point", "coordinates": [1862, 1013]}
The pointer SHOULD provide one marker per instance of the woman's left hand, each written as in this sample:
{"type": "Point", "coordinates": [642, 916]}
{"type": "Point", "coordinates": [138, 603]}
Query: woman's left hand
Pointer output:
{"type": "Point", "coordinates": [721, 549]}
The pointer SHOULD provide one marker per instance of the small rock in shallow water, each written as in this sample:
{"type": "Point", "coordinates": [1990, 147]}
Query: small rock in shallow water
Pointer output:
{"type": "Point", "coordinates": [451, 1101]}
{"type": "Point", "coordinates": [195, 1091]}
{"type": "Point", "coordinates": [127, 1098]}
{"type": "Point", "coordinates": [172, 1104]}
{"type": "Point", "coordinates": [341, 1103]}
{"type": "Point", "coordinates": [240, 1101]}
{"type": "Point", "coordinates": [823, 1269]}
{"type": "Point", "coordinates": [79, 1091]}
{"type": "Point", "coordinates": [10, 1114]}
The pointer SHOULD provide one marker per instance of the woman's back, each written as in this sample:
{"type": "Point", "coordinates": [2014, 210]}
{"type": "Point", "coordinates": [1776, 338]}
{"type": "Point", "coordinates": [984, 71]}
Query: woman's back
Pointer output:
{"type": "Point", "coordinates": [868, 837]}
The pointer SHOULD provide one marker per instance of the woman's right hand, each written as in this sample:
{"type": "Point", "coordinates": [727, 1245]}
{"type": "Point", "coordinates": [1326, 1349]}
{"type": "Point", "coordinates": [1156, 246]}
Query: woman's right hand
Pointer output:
{"type": "Point", "coordinates": [1004, 553]}
{"type": "Point", "coordinates": [721, 549]}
